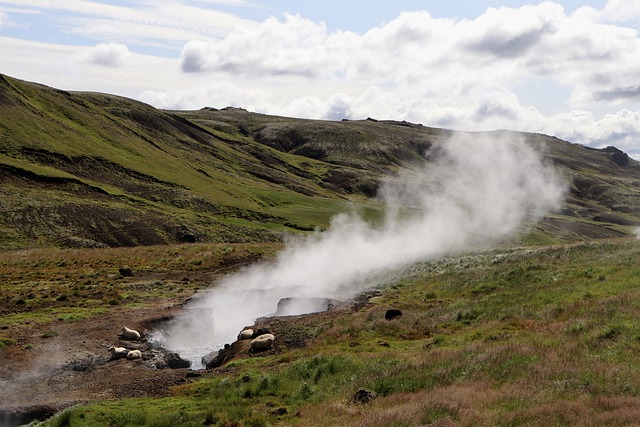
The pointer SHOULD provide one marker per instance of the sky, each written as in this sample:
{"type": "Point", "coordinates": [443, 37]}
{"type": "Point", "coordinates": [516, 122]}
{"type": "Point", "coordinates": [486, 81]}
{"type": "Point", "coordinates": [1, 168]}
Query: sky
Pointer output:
{"type": "Point", "coordinates": [568, 68]}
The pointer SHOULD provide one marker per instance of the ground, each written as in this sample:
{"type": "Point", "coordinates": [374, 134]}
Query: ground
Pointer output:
{"type": "Point", "coordinates": [73, 366]}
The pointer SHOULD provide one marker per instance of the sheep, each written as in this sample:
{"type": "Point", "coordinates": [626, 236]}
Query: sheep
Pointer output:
{"type": "Point", "coordinates": [261, 343]}
{"type": "Point", "coordinates": [118, 352]}
{"type": "Point", "coordinates": [134, 354]}
{"type": "Point", "coordinates": [246, 334]}
{"type": "Point", "coordinates": [129, 334]}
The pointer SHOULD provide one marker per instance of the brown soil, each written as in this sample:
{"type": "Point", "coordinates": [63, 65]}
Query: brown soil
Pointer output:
{"type": "Point", "coordinates": [41, 375]}
{"type": "Point", "coordinates": [74, 366]}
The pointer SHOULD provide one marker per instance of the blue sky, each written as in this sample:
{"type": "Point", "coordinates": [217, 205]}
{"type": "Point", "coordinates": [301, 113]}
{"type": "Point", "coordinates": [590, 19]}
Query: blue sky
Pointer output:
{"type": "Point", "coordinates": [565, 68]}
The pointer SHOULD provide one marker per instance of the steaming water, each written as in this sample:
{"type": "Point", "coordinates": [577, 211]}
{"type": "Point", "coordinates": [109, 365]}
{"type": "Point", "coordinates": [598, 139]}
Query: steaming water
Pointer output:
{"type": "Point", "coordinates": [475, 191]}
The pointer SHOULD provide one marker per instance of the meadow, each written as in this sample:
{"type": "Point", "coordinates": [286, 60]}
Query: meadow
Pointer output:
{"type": "Point", "coordinates": [528, 336]}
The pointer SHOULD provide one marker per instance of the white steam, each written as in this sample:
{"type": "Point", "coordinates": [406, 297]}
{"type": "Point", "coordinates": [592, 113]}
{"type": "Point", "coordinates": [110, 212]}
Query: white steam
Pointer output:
{"type": "Point", "coordinates": [476, 190]}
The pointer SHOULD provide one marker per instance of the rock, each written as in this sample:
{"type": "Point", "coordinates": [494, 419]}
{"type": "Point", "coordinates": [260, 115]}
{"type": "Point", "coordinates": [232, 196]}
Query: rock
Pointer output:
{"type": "Point", "coordinates": [207, 358]}
{"type": "Point", "coordinates": [619, 157]}
{"type": "Point", "coordinates": [363, 396]}
{"type": "Point", "coordinates": [392, 313]}
{"type": "Point", "coordinates": [279, 411]}
{"type": "Point", "coordinates": [125, 271]}
{"type": "Point", "coordinates": [163, 359]}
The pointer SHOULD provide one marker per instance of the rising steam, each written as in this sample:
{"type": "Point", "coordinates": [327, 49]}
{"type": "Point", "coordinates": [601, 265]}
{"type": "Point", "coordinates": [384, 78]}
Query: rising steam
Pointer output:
{"type": "Point", "coordinates": [476, 190]}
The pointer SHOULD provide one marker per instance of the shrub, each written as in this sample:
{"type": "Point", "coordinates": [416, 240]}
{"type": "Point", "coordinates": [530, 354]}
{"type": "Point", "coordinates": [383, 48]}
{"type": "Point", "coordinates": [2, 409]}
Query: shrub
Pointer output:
{"type": "Point", "coordinates": [5, 342]}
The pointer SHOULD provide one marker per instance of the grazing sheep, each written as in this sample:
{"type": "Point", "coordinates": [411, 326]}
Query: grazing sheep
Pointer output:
{"type": "Point", "coordinates": [246, 334]}
{"type": "Point", "coordinates": [134, 354]}
{"type": "Point", "coordinates": [261, 343]}
{"type": "Point", "coordinates": [118, 352]}
{"type": "Point", "coordinates": [129, 334]}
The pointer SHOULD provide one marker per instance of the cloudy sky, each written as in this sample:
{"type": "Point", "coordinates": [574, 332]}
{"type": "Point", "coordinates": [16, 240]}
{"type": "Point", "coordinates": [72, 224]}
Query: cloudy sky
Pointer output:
{"type": "Point", "coordinates": [566, 68]}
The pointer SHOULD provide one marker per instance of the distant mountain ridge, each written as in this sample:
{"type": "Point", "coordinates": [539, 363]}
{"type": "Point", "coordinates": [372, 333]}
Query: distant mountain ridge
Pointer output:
{"type": "Point", "coordinates": [82, 169]}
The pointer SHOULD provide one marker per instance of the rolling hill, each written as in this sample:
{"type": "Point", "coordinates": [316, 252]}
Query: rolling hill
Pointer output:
{"type": "Point", "coordinates": [97, 170]}
{"type": "Point", "coordinates": [544, 335]}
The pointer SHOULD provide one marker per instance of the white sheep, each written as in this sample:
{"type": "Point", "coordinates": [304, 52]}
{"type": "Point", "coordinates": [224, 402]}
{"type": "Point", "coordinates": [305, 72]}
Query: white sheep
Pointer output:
{"type": "Point", "coordinates": [261, 343]}
{"type": "Point", "coordinates": [245, 334]}
{"type": "Point", "coordinates": [118, 352]}
{"type": "Point", "coordinates": [134, 354]}
{"type": "Point", "coordinates": [129, 334]}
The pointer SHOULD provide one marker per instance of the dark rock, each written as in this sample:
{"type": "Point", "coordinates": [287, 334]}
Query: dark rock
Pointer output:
{"type": "Point", "coordinates": [392, 313]}
{"type": "Point", "coordinates": [228, 353]}
{"type": "Point", "coordinates": [19, 416]}
{"type": "Point", "coordinates": [206, 359]}
{"type": "Point", "coordinates": [619, 157]}
{"type": "Point", "coordinates": [363, 396]}
{"type": "Point", "coordinates": [163, 359]}
{"type": "Point", "coordinates": [279, 411]}
{"type": "Point", "coordinates": [125, 271]}
{"type": "Point", "coordinates": [220, 358]}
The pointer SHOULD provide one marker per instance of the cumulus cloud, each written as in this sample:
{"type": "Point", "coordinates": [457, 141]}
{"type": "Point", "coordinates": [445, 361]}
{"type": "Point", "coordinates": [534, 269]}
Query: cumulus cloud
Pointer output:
{"type": "Point", "coordinates": [441, 72]}
{"type": "Point", "coordinates": [465, 74]}
{"type": "Point", "coordinates": [621, 11]}
{"type": "Point", "coordinates": [296, 46]}
{"type": "Point", "coordinates": [106, 54]}
{"type": "Point", "coordinates": [511, 33]}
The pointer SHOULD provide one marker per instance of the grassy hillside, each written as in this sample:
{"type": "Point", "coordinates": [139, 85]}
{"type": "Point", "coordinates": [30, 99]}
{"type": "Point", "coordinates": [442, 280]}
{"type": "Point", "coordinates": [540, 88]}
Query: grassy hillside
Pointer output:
{"type": "Point", "coordinates": [544, 334]}
{"type": "Point", "coordinates": [94, 170]}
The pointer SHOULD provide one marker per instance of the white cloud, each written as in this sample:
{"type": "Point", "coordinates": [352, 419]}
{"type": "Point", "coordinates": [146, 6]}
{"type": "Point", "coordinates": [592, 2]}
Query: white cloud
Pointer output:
{"type": "Point", "coordinates": [511, 33]}
{"type": "Point", "coordinates": [462, 74]}
{"type": "Point", "coordinates": [106, 54]}
{"type": "Point", "coordinates": [4, 19]}
{"type": "Point", "coordinates": [162, 23]}
{"type": "Point", "coordinates": [296, 46]}
{"type": "Point", "coordinates": [621, 11]}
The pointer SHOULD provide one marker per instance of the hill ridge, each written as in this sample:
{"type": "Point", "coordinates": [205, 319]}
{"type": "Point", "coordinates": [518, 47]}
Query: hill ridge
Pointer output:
{"type": "Point", "coordinates": [139, 175]}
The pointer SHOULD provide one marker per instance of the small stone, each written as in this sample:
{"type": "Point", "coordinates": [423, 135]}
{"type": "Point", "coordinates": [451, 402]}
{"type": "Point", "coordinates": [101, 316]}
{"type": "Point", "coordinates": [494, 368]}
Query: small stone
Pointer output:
{"type": "Point", "coordinates": [363, 396]}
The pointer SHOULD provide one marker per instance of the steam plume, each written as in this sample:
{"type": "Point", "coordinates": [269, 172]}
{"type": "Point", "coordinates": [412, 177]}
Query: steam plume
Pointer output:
{"type": "Point", "coordinates": [476, 190]}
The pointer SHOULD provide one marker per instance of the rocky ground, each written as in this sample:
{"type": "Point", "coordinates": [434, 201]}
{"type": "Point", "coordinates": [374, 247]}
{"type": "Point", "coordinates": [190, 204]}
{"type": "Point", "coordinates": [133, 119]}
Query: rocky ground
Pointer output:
{"type": "Point", "coordinates": [74, 365]}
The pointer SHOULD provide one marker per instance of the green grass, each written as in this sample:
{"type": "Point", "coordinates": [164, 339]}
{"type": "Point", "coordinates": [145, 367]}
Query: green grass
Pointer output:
{"type": "Point", "coordinates": [44, 286]}
{"type": "Point", "coordinates": [92, 149]}
{"type": "Point", "coordinates": [546, 335]}
{"type": "Point", "coordinates": [142, 174]}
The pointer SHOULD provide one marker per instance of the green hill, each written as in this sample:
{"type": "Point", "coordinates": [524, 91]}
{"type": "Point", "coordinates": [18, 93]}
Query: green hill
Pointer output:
{"type": "Point", "coordinates": [94, 170]}
{"type": "Point", "coordinates": [544, 335]}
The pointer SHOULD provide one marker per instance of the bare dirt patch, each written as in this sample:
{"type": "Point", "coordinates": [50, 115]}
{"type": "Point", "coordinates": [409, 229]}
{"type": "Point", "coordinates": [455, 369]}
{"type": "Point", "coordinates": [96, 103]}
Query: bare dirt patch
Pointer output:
{"type": "Point", "coordinates": [46, 371]}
